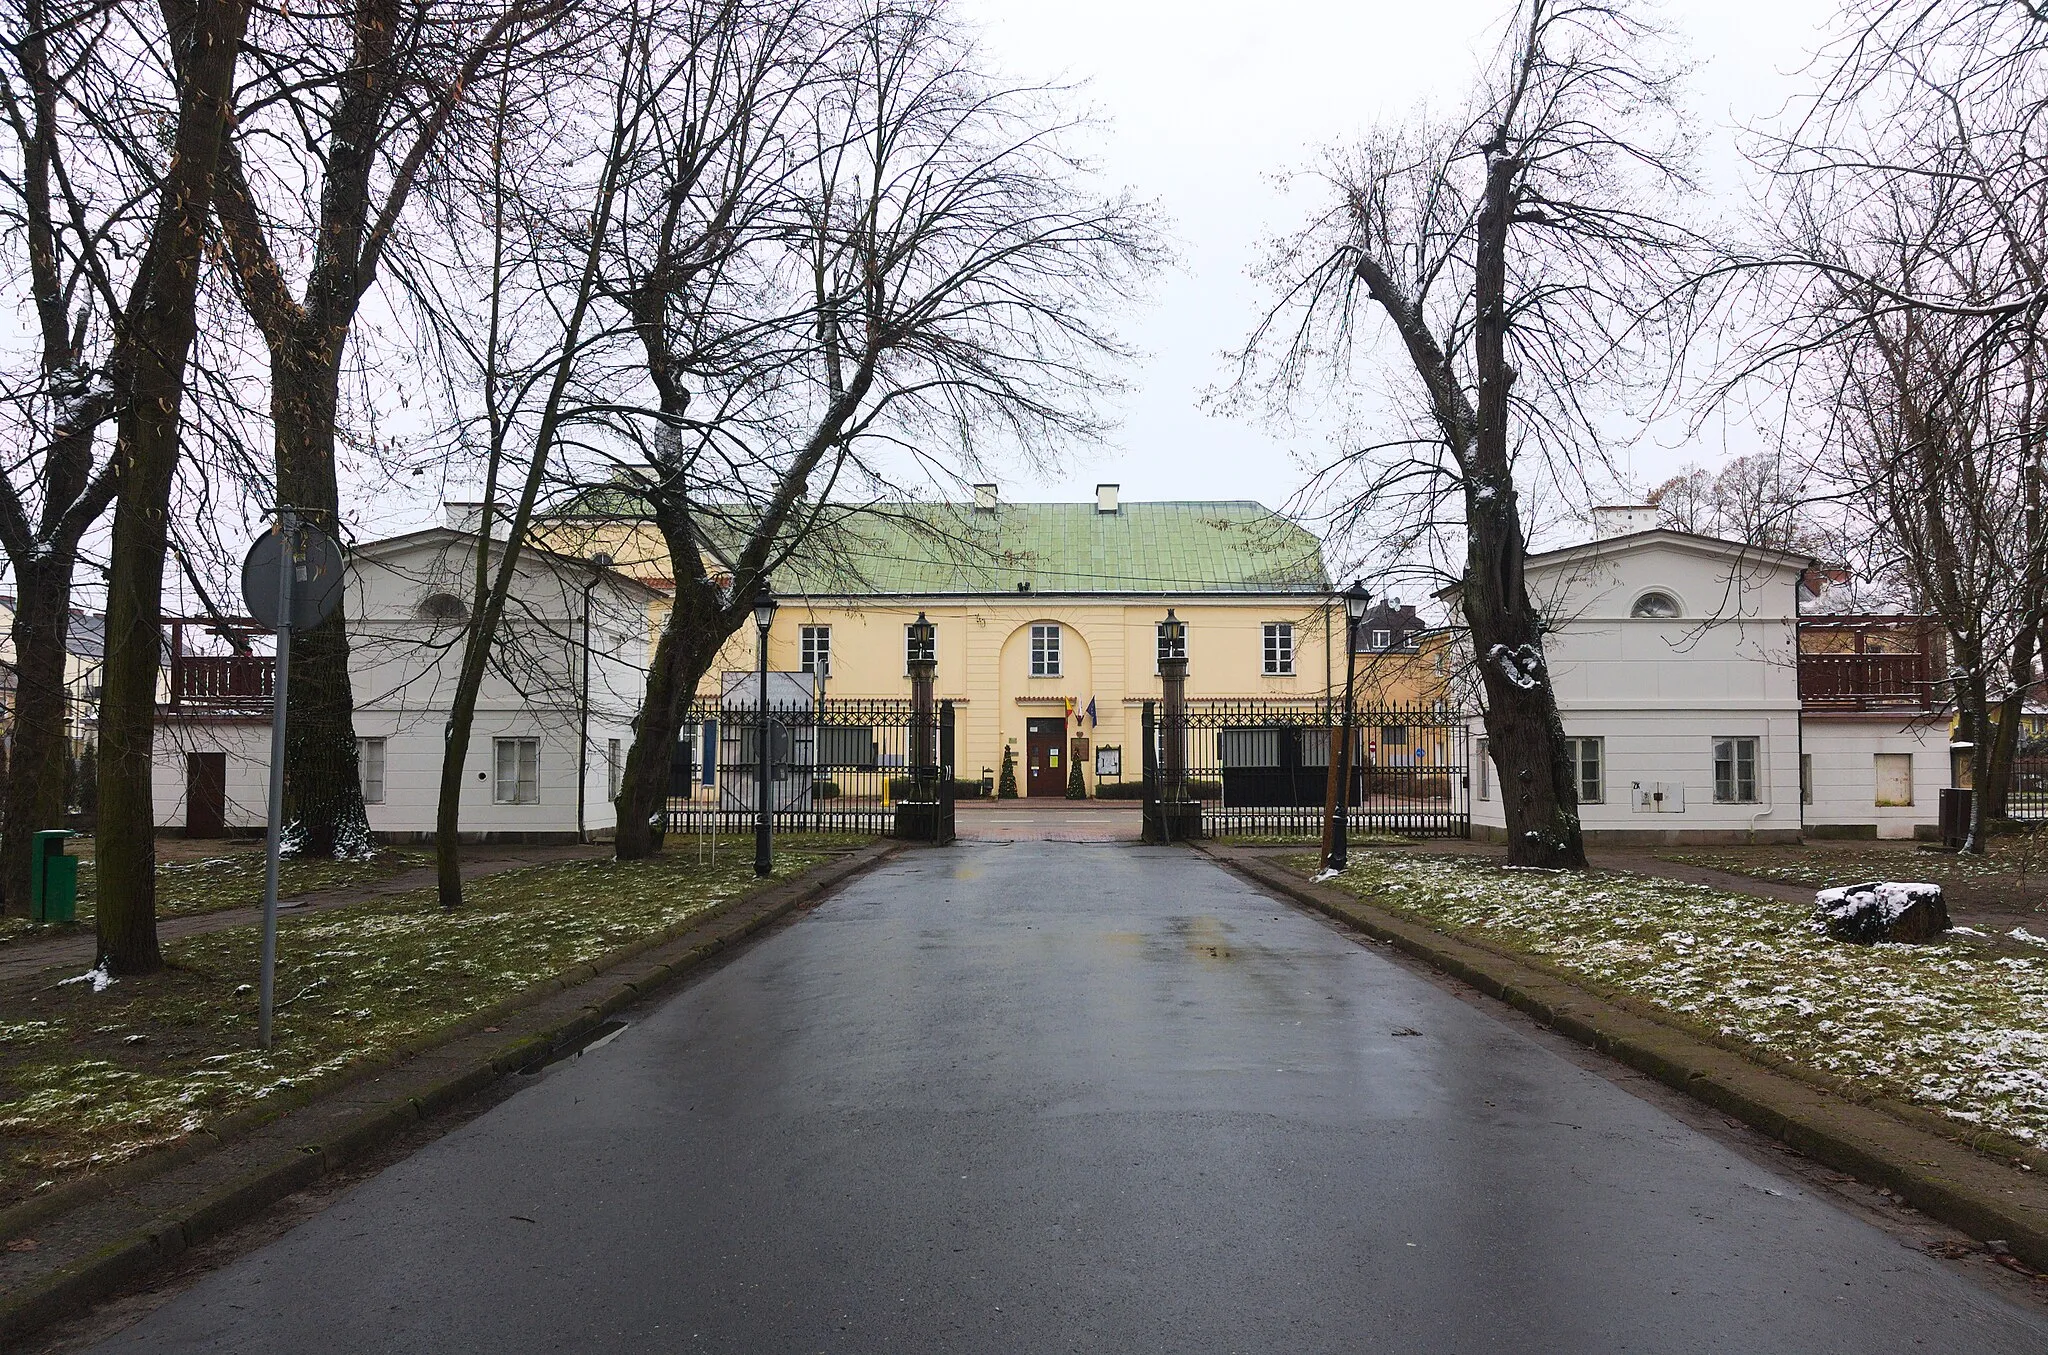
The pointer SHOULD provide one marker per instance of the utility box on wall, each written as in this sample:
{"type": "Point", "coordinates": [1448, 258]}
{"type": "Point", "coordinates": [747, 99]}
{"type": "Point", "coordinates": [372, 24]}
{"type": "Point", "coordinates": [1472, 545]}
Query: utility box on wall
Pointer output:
{"type": "Point", "coordinates": [1657, 797]}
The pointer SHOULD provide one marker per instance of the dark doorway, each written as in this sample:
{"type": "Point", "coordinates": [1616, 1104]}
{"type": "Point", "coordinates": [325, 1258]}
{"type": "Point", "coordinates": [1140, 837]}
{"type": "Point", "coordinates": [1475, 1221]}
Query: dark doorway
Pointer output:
{"type": "Point", "coordinates": [206, 794]}
{"type": "Point", "coordinates": [1046, 774]}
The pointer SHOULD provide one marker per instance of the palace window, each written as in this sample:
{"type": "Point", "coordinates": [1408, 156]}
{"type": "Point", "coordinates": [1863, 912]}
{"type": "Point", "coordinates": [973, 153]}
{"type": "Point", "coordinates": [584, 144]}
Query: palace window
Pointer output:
{"type": "Point", "coordinates": [1279, 648]}
{"type": "Point", "coordinates": [912, 652]}
{"type": "Point", "coordinates": [1166, 649]}
{"type": "Point", "coordinates": [815, 645]}
{"type": "Point", "coordinates": [1045, 651]}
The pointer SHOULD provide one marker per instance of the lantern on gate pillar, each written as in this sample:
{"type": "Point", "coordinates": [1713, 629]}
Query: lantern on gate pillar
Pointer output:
{"type": "Point", "coordinates": [1173, 685]}
{"type": "Point", "coordinates": [924, 667]}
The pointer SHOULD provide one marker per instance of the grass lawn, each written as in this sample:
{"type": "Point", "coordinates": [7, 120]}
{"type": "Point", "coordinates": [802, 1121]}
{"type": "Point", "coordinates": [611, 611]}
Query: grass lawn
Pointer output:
{"type": "Point", "coordinates": [2011, 880]}
{"type": "Point", "coordinates": [1959, 1026]}
{"type": "Point", "coordinates": [89, 1078]}
{"type": "Point", "coordinates": [232, 880]}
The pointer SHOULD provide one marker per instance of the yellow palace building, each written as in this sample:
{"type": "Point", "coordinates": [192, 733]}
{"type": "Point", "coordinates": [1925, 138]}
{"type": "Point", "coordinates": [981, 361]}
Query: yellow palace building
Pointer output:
{"type": "Point", "coordinates": [1047, 616]}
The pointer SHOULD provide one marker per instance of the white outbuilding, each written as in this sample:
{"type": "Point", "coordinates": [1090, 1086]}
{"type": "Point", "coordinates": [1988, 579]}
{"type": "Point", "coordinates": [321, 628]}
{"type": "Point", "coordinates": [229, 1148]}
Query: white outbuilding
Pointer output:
{"type": "Point", "coordinates": [553, 717]}
{"type": "Point", "coordinates": [1692, 715]}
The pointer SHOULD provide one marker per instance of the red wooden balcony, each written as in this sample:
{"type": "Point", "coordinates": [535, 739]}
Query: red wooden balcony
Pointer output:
{"type": "Point", "coordinates": [223, 682]}
{"type": "Point", "coordinates": [238, 684]}
{"type": "Point", "coordinates": [1856, 663]}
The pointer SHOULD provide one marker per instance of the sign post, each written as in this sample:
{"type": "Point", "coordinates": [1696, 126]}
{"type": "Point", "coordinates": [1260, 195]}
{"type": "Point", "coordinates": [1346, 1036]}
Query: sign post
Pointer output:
{"type": "Point", "coordinates": [291, 578]}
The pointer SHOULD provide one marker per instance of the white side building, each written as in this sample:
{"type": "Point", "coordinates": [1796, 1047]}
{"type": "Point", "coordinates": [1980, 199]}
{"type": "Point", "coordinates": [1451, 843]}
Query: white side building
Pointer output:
{"type": "Point", "coordinates": [553, 717]}
{"type": "Point", "coordinates": [1677, 668]}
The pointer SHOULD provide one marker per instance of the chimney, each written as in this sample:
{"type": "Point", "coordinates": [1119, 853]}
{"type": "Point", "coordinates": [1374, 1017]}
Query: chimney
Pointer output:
{"type": "Point", "coordinates": [984, 498]}
{"type": "Point", "coordinates": [1105, 498]}
{"type": "Point", "coordinates": [1623, 519]}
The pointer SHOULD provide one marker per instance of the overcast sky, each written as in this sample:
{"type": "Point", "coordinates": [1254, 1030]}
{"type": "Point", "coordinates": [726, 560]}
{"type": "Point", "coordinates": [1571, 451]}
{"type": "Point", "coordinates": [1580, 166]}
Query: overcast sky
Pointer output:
{"type": "Point", "coordinates": [1202, 102]}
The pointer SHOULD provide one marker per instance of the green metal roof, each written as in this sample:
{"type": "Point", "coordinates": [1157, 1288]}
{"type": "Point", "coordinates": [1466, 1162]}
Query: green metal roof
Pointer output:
{"type": "Point", "coordinates": [1169, 547]}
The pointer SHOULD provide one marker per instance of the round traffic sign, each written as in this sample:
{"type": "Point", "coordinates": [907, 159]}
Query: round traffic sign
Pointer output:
{"type": "Point", "coordinates": [316, 577]}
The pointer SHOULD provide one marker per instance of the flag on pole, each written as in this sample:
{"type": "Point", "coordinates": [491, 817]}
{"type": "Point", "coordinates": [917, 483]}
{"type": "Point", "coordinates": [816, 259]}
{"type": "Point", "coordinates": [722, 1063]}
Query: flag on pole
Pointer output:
{"type": "Point", "coordinates": [1070, 707]}
{"type": "Point", "coordinates": [1091, 712]}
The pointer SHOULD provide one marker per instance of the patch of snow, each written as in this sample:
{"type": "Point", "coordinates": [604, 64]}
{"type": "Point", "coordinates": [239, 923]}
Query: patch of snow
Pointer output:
{"type": "Point", "coordinates": [2022, 934]}
{"type": "Point", "coordinates": [1522, 665]}
{"type": "Point", "coordinates": [97, 976]}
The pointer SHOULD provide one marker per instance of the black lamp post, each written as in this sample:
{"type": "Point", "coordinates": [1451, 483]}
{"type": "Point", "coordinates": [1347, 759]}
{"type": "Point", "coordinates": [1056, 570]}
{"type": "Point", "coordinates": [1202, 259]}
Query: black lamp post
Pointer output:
{"type": "Point", "coordinates": [924, 667]}
{"type": "Point", "coordinates": [1173, 689]}
{"type": "Point", "coordinates": [764, 743]}
{"type": "Point", "coordinates": [1356, 600]}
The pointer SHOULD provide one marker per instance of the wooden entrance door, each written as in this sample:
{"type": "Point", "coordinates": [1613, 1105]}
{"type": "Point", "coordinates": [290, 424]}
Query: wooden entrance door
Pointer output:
{"type": "Point", "coordinates": [206, 794]}
{"type": "Point", "coordinates": [1045, 767]}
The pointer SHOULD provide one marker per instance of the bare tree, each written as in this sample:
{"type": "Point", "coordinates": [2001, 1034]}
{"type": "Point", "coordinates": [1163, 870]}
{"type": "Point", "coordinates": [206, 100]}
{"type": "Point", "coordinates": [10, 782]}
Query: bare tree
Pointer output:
{"type": "Point", "coordinates": [843, 239]}
{"type": "Point", "coordinates": [1519, 261]}
{"type": "Point", "coordinates": [347, 112]}
{"type": "Point", "coordinates": [1760, 500]}
{"type": "Point", "coordinates": [204, 39]}
{"type": "Point", "coordinates": [76, 208]}
{"type": "Point", "coordinates": [1905, 267]}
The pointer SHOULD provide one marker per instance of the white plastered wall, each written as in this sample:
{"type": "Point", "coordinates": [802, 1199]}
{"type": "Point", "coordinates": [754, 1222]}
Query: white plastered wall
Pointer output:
{"type": "Point", "coordinates": [1844, 750]}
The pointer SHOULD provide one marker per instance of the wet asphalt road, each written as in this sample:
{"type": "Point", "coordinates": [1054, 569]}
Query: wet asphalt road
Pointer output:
{"type": "Point", "coordinates": [1041, 1098]}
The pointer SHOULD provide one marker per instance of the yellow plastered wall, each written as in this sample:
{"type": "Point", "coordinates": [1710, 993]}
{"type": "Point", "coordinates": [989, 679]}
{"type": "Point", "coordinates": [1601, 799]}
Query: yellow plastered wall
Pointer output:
{"type": "Point", "coordinates": [1108, 649]}
{"type": "Point", "coordinates": [1108, 652]}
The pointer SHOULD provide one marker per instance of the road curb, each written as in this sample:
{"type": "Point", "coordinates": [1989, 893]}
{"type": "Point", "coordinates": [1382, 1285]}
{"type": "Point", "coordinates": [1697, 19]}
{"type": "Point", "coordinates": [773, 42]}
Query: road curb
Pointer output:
{"type": "Point", "coordinates": [1940, 1174]}
{"type": "Point", "coordinates": [552, 1015]}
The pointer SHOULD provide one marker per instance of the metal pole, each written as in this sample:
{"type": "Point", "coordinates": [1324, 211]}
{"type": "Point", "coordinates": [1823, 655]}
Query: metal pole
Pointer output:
{"type": "Point", "coordinates": [288, 530]}
{"type": "Point", "coordinates": [765, 747]}
{"type": "Point", "coordinates": [1340, 846]}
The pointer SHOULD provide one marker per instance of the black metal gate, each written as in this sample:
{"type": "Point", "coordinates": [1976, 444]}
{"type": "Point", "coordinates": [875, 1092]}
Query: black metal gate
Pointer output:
{"type": "Point", "coordinates": [1261, 768]}
{"type": "Point", "coordinates": [837, 767]}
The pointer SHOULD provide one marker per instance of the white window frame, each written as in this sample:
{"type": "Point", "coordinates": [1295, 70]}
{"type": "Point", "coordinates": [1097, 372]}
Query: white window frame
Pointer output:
{"type": "Point", "coordinates": [1578, 747]}
{"type": "Point", "coordinates": [1485, 767]}
{"type": "Point", "coordinates": [814, 650]}
{"type": "Point", "coordinates": [522, 786]}
{"type": "Point", "coordinates": [1277, 648]}
{"type": "Point", "coordinates": [1382, 639]}
{"type": "Point", "coordinates": [1735, 745]}
{"type": "Point", "coordinates": [1045, 649]}
{"type": "Point", "coordinates": [370, 765]}
{"type": "Point", "coordinates": [1806, 778]}
{"type": "Point", "coordinates": [614, 769]}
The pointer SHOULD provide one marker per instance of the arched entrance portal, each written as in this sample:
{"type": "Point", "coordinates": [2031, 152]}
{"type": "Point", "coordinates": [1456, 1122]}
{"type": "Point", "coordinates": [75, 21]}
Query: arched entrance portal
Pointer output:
{"type": "Point", "coordinates": [1048, 671]}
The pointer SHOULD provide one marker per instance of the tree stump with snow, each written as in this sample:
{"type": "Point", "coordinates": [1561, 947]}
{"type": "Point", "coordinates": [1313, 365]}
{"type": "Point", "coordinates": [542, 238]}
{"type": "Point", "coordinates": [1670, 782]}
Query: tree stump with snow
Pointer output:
{"type": "Point", "coordinates": [1882, 911]}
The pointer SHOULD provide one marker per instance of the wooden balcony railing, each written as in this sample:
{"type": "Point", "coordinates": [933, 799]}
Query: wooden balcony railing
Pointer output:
{"type": "Point", "coordinates": [231, 682]}
{"type": "Point", "coordinates": [1868, 681]}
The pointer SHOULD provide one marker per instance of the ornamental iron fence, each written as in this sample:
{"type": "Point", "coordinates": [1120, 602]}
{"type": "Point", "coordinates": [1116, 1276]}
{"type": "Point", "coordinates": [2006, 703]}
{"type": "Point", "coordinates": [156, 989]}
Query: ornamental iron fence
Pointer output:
{"type": "Point", "coordinates": [833, 767]}
{"type": "Point", "coordinates": [1258, 768]}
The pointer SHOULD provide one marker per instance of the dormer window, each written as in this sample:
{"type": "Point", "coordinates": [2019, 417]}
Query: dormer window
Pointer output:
{"type": "Point", "coordinates": [1656, 606]}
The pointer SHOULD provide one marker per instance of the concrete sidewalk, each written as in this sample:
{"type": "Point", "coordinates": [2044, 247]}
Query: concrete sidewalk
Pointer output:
{"type": "Point", "coordinates": [26, 958]}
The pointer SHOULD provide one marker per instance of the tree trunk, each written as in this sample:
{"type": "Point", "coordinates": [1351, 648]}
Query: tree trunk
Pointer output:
{"type": "Point", "coordinates": [1523, 730]}
{"type": "Point", "coordinates": [35, 791]}
{"type": "Point", "coordinates": [2005, 747]}
{"type": "Point", "coordinates": [690, 638]}
{"type": "Point", "coordinates": [324, 815]}
{"type": "Point", "coordinates": [1973, 706]}
{"type": "Point", "coordinates": [160, 324]}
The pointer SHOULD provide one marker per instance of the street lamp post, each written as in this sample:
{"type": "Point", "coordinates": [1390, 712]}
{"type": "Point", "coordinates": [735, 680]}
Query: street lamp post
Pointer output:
{"type": "Point", "coordinates": [1356, 600]}
{"type": "Point", "coordinates": [924, 667]}
{"type": "Point", "coordinates": [1173, 690]}
{"type": "Point", "coordinates": [764, 743]}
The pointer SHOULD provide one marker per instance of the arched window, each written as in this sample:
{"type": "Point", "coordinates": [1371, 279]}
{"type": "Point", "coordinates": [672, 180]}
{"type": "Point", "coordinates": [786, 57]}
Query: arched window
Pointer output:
{"type": "Point", "coordinates": [1656, 605]}
{"type": "Point", "coordinates": [441, 608]}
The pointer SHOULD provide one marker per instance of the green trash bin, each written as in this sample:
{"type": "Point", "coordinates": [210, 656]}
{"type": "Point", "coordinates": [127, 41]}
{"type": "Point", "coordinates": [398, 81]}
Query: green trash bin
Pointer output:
{"type": "Point", "coordinates": [52, 879]}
